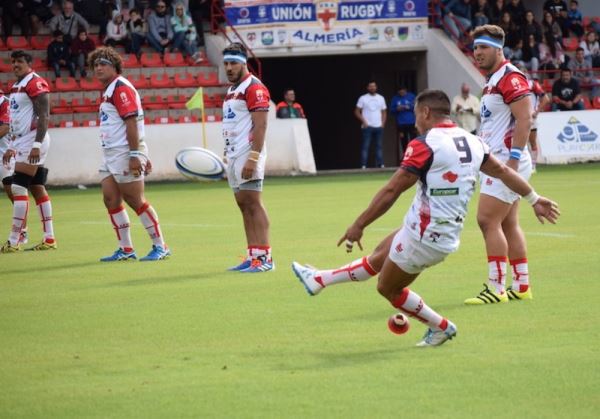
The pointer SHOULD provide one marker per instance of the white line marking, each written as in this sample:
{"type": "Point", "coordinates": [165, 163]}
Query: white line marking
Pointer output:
{"type": "Point", "coordinates": [559, 235]}
{"type": "Point", "coordinates": [165, 224]}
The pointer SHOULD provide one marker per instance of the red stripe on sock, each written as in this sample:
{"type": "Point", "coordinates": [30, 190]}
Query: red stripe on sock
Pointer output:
{"type": "Point", "coordinates": [21, 198]}
{"type": "Point", "coordinates": [496, 258]}
{"type": "Point", "coordinates": [443, 324]}
{"type": "Point", "coordinates": [401, 299]}
{"type": "Point", "coordinates": [152, 219]}
{"type": "Point", "coordinates": [265, 247]}
{"type": "Point", "coordinates": [143, 208]}
{"type": "Point", "coordinates": [42, 200]}
{"type": "Point", "coordinates": [517, 261]}
{"type": "Point", "coordinates": [116, 210]}
{"type": "Point", "coordinates": [368, 267]}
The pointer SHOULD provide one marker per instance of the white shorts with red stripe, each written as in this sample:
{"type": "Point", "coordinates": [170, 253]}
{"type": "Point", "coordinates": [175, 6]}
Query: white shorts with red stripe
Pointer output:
{"type": "Point", "coordinates": [116, 163]}
{"type": "Point", "coordinates": [22, 145]}
{"type": "Point", "coordinates": [495, 187]}
{"type": "Point", "coordinates": [411, 255]}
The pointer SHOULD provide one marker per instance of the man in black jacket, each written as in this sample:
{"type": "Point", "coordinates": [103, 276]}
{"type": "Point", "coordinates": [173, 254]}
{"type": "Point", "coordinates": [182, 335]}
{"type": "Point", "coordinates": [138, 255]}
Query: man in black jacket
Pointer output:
{"type": "Point", "coordinates": [59, 54]}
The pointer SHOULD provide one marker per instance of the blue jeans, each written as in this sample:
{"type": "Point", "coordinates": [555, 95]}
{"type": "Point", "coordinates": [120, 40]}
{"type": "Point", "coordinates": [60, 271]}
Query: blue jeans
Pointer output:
{"type": "Point", "coordinates": [453, 27]}
{"type": "Point", "coordinates": [155, 43]}
{"type": "Point", "coordinates": [182, 44]}
{"type": "Point", "coordinates": [576, 107]}
{"type": "Point", "coordinates": [136, 43]}
{"type": "Point", "coordinates": [375, 134]}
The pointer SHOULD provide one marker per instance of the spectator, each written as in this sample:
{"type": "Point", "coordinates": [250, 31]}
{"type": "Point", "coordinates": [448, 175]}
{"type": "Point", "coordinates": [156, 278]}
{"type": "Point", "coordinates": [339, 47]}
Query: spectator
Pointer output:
{"type": "Point", "coordinates": [552, 28]}
{"type": "Point", "coordinates": [402, 108]}
{"type": "Point", "coordinates": [80, 48]}
{"type": "Point", "coordinates": [96, 12]}
{"type": "Point", "coordinates": [512, 34]}
{"type": "Point", "coordinates": [591, 48]}
{"type": "Point", "coordinates": [517, 12]}
{"type": "Point", "coordinates": [15, 12]}
{"type": "Point", "coordinates": [575, 19]}
{"type": "Point", "coordinates": [531, 27]}
{"type": "Point", "coordinates": [515, 54]}
{"type": "Point", "coordinates": [288, 107]}
{"type": "Point", "coordinates": [566, 93]}
{"type": "Point", "coordinates": [184, 34]}
{"type": "Point", "coordinates": [59, 54]}
{"type": "Point", "coordinates": [481, 12]}
{"type": "Point", "coordinates": [68, 22]}
{"type": "Point", "coordinates": [465, 108]}
{"type": "Point", "coordinates": [496, 12]}
{"type": "Point", "coordinates": [531, 55]}
{"type": "Point", "coordinates": [581, 69]}
{"type": "Point", "coordinates": [370, 111]}
{"type": "Point", "coordinates": [552, 56]}
{"type": "Point", "coordinates": [116, 31]}
{"type": "Point", "coordinates": [555, 7]}
{"type": "Point", "coordinates": [458, 11]}
{"type": "Point", "coordinates": [160, 31]}
{"type": "Point", "coordinates": [199, 9]}
{"type": "Point", "coordinates": [137, 31]}
{"type": "Point", "coordinates": [39, 12]}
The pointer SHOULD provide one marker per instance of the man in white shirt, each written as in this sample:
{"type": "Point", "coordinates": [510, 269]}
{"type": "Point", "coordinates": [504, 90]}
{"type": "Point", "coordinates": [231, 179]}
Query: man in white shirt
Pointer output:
{"type": "Point", "coordinates": [465, 107]}
{"type": "Point", "coordinates": [371, 112]}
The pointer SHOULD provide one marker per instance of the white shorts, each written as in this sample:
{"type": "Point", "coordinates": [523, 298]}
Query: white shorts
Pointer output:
{"type": "Point", "coordinates": [7, 170]}
{"type": "Point", "coordinates": [22, 145]}
{"type": "Point", "coordinates": [116, 163]}
{"type": "Point", "coordinates": [495, 187]}
{"type": "Point", "coordinates": [234, 172]}
{"type": "Point", "coordinates": [411, 255]}
{"type": "Point", "coordinates": [534, 125]}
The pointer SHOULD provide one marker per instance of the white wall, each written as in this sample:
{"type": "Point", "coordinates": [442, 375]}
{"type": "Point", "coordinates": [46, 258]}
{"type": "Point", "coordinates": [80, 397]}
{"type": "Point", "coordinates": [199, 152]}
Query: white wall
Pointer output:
{"type": "Point", "coordinates": [75, 154]}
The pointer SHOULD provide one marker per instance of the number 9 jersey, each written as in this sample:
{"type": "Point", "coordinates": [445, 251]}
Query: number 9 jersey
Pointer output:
{"type": "Point", "coordinates": [447, 160]}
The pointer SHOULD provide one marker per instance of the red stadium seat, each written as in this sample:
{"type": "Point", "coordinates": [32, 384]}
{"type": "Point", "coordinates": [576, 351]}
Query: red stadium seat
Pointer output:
{"type": "Point", "coordinates": [92, 123]}
{"type": "Point", "coordinates": [210, 79]}
{"type": "Point", "coordinates": [96, 38]}
{"type": "Point", "coordinates": [174, 59]}
{"type": "Point", "coordinates": [2, 45]}
{"type": "Point", "coordinates": [154, 102]}
{"type": "Point", "coordinates": [38, 64]}
{"type": "Point", "coordinates": [186, 119]}
{"type": "Point", "coordinates": [66, 84]}
{"type": "Point", "coordinates": [84, 105]}
{"type": "Point", "coordinates": [587, 104]}
{"type": "Point", "coordinates": [60, 107]}
{"type": "Point", "coordinates": [571, 44]}
{"type": "Point", "coordinates": [17, 42]}
{"type": "Point", "coordinates": [203, 59]}
{"type": "Point", "coordinates": [68, 124]}
{"type": "Point", "coordinates": [159, 81]}
{"type": "Point", "coordinates": [5, 65]}
{"type": "Point", "coordinates": [185, 80]}
{"type": "Point", "coordinates": [40, 42]}
{"type": "Point", "coordinates": [596, 102]}
{"type": "Point", "coordinates": [90, 84]}
{"type": "Point", "coordinates": [176, 101]}
{"type": "Point", "coordinates": [586, 21]}
{"type": "Point", "coordinates": [130, 61]}
{"type": "Point", "coordinates": [151, 59]}
{"type": "Point", "coordinates": [547, 85]}
{"type": "Point", "coordinates": [163, 120]}
{"type": "Point", "coordinates": [139, 81]}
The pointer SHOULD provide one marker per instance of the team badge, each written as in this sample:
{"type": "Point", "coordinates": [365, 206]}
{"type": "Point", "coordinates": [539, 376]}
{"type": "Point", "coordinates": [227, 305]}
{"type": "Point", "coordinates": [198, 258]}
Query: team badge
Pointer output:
{"type": "Point", "coordinates": [327, 11]}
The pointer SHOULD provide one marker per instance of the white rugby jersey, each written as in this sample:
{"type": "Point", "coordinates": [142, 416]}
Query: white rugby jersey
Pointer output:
{"type": "Point", "coordinates": [447, 160]}
{"type": "Point", "coordinates": [4, 120]}
{"type": "Point", "coordinates": [23, 119]}
{"type": "Point", "coordinates": [502, 88]}
{"type": "Point", "coordinates": [120, 100]}
{"type": "Point", "coordinates": [250, 95]}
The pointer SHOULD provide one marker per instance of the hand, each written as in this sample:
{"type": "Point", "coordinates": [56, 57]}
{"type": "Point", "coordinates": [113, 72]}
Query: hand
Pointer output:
{"type": "Point", "coordinates": [164, 41]}
{"type": "Point", "coordinates": [353, 234]}
{"type": "Point", "coordinates": [544, 208]}
{"type": "Point", "coordinates": [62, 62]}
{"type": "Point", "coordinates": [34, 156]}
{"type": "Point", "coordinates": [148, 167]}
{"type": "Point", "coordinates": [458, 107]}
{"type": "Point", "coordinates": [8, 155]}
{"type": "Point", "coordinates": [364, 125]}
{"type": "Point", "coordinates": [569, 104]}
{"type": "Point", "coordinates": [248, 169]}
{"type": "Point", "coordinates": [135, 166]}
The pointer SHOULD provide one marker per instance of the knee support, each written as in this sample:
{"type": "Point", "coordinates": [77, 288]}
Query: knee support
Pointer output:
{"type": "Point", "coordinates": [7, 181]}
{"type": "Point", "coordinates": [40, 177]}
{"type": "Point", "coordinates": [21, 179]}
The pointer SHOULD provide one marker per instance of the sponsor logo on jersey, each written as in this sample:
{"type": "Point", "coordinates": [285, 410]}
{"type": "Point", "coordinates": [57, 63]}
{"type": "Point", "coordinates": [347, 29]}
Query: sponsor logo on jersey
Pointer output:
{"type": "Point", "coordinates": [229, 114]}
{"type": "Point", "coordinates": [576, 131]}
{"type": "Point", "coordinates": [485, 112]}
{"type": "Point", "coordinates": [450, 176]}
{"type": "Point", "coordinates": [443, 191]}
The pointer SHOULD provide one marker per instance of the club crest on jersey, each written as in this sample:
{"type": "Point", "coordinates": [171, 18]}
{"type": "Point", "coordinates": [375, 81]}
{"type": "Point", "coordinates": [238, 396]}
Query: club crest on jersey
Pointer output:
{"type": "Point", "coordinates": [450, 176]}
{"type": "Point", "coordinates": [399, 248]}
{"type": "Point", "coordinates": [260, 95]}
{"type": "Point", "coordinates": [124, 98]}
{"type": "Point", "coordinates": [516, 83]}
{"type": "Point", "coordinates": [408, 152]}
{"type": "Point", "coordinates": [39, 85]}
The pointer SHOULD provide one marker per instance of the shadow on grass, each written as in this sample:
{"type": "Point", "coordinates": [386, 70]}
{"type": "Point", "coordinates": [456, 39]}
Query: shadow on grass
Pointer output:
{"type": "Point", "coordinates": [27, 268]}
{"type": "Point", "coordinates": [163, 279]}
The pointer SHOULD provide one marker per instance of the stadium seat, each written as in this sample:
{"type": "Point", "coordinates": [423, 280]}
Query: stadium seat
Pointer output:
{"type": "Point", "coordinates": [154, 102]}
{"type": "Point", "coordinates": [204, 60]}
{"type": "Point", "coordinates": [186, 119]}
{"type": "Point", "coordinates": [5, 65]}
{"type": "Point", "coordinates": [90, 83]}
{"type": "Point", "coordinates": [174, 59]}
{"type": "Point", "coordinates": [130, 61]}
{"type": "Point", "coordinates": [92, 123]}
{"type": "Point", "coordinates": [571, 44]}
{"type": "Point", "coordinates": [176, 101]}
{"type": "Point", "coordinates": [38, 64]}
{"type": "Point", "coordinates": [60, 106]}
{"type": "Point", "coordinates": [547, 85]}
{"type": "Point", "coordinates": [596, 102]}
{"type": "Point", "coordinates": [84, 105]}
{"type": "Point", "coordinates": [139, 81]}
{"type": "Point", "coordinates": [40, 42]}
{"type": "Point", "coordinates": [17, 42]}
{"type": "Point", "coordinates": [151, 59]}
{"type": "Point", "coordinates": [2, 45]}
{"type": "Point", "coordinates": [68, 124]}
{"type": "Point", "coordinates": [96, 38]}
{"type": "Point", "coordinates": [66, 84]}
{"type": "Point", "coordinates": [586, 21]}
{"type": "Point", "coordinates": [158, 81]}
{"type": "Point", "coordinates": [587, 104]}
{"type": "Point", "coordinates": [185, 80]}
{"type": "Point", "coordinates": [210, 79]}
{"type": "Point", "coordinates": [147, 120]}
{"type": "Point", "coordinates": [163, 120]}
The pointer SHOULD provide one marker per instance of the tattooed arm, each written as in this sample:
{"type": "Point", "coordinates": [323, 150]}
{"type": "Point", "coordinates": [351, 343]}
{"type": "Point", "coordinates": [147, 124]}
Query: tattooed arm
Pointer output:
{"type": "Point", "coordinates": [41, 107]}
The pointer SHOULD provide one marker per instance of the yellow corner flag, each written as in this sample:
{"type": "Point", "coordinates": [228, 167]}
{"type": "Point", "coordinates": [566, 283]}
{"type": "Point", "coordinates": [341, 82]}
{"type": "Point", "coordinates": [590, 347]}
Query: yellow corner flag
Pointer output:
{"type": "Point", "coordinates": [197, 102]}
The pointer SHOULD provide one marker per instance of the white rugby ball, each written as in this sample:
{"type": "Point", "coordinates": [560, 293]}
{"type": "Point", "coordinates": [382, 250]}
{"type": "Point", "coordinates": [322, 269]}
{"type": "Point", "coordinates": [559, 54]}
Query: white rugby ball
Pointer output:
{"type": "Point", "coordinates": [199, 164]}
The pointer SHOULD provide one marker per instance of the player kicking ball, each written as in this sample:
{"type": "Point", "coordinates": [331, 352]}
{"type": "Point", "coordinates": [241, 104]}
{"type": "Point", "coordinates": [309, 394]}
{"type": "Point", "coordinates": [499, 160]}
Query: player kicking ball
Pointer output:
{"type": "Point", "coordinates": [125, 157]}
{"type": "Point", "coordinates": [444, 162]}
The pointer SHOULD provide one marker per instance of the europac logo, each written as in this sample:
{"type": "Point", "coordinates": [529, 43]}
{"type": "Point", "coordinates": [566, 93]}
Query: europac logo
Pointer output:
{"type": "Point", "coordinates": [577, 132]}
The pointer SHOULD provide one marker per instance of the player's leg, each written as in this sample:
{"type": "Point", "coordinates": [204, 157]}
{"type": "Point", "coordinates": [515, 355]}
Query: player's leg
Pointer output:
{"type": "Point", "coordinates": [361, 269]}
{"type": "Point", "coordinates": [517, 255]}
{"type": "Point", "coordinates": [256, 226]}
{"type": "Point", "coordinates": [44, 206]}
{"type": "Point", "coordinates": [20, 190]}
{"type": "Point", "coordinates": [533, 148]}
{"type": "Point", "coordinates": [118, 218]}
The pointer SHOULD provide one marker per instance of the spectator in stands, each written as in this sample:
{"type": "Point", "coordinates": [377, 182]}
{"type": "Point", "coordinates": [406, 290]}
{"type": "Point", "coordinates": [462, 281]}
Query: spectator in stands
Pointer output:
{"type": "Point", "coordinates": [15, 12]}
{"type": "Point", "coordinates": [555, 7]}
{"type": "Point", "coordinates": [96, 12]}
{"type": "Point", "coordinates": [39, 12]}
{"type": "Point", "coordinates": [496, 12]}
{"type": "Point", "coordinates": [465, 108]}
{"type": "Point", "coordinates": [68, 22]}
{"type": "Point", "coordinates": [512, 34]}
{"type": "Point", "coordinates": [199, 9]}
{"type": "Point", "coordinates": [184, 34]}
{"type": "Point", "coordinates": [80, 48]}
{"type": "Point", "coordinates": [531, 55]}
{"type": "Point", "coordinates": [402, 108]}
{"type": "Point", "coordinates": [481, 12]}
{"type": "Point", "coordinates": [160, 31]}
{"type": "Point", "coordinates": [591, 48]}
{"type": "Point", "coordinates": [288, 107]}
{"type": "Point", "coordinates": [116, 31]}
{"type": "Point", "coordinates": [566, 93]}
{"type": "Point", "coordinates": [551, 54]}
{"type": "Point", "coordinates": [517, 12]}
{"type": "Point", "coordinates": [59, 54]}
{"type": "Point", "coordinates": [137, 31]}
{"type": "Point", "coordinates": [552, 28]}
{"type": "Point", "coordinates": [458, 18]}
{"type": "Point", "coordinates": [581, 68]}
{"type": "Point", "coordinates": [575, 19]}
{"type": "Point", "coordinates": [531, 27]}
{"type": "Point", "coordinates": [515, 54]}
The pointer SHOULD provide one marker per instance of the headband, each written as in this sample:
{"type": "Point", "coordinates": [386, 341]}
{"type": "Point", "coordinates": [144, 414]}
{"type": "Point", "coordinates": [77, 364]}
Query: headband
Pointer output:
{"type": "Point", "coordinates": [238, 58]}
{"type": "Point", "coordinates": [104, 61]}
{"type": "Point", "coordinates": [487, 40]}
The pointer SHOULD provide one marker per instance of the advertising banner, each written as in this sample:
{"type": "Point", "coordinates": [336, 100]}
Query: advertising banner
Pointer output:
{"type": "Point", "coordinates": [568, 137]}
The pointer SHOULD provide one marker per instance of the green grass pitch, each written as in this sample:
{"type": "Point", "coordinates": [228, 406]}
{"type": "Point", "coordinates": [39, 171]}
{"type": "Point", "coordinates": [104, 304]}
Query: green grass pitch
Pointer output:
{"type": "Point", "coordinates": [185, 338]}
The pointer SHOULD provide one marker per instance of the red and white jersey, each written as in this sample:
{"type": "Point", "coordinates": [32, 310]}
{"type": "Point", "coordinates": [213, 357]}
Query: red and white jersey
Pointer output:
{"type": "Point", "coordinates": [502, 88]}
{"type": "Point", "coordinates": [250, 95]}
{"type": "Point", "coordinates": [537, 92]}
{"type": "Point", "coordinates": [120, 101]}
{"type": "Point", "coordinates": [23, 119]}
{"type": "Point", "coordinates": [4, 120]}
{"type": "Point", "coordinates": [447, 160]}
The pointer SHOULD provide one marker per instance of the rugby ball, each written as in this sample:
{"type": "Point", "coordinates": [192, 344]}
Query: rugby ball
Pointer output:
{"type": "Point", "coordinates": [199, 164]}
